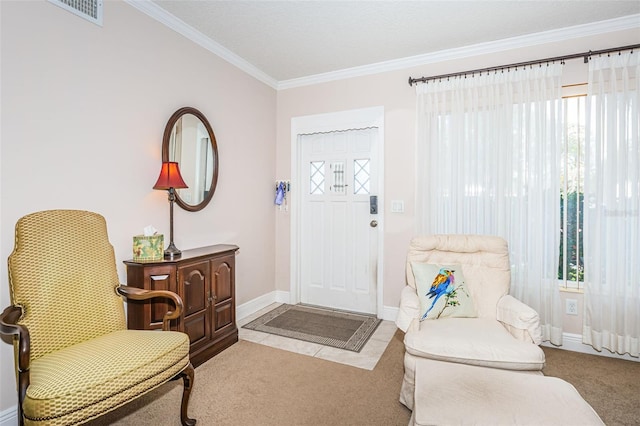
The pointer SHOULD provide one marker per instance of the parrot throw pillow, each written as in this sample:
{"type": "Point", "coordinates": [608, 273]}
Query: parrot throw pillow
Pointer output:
{"type": "Point", "coordinates": [442, 291]}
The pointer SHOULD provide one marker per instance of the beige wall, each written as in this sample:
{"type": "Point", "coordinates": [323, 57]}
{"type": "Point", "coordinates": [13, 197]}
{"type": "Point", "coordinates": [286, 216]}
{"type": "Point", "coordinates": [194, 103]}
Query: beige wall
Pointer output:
{"type": "Point", "coordinates": [83, 114]}
{"type": "Point", "coordinates": [572, 323]}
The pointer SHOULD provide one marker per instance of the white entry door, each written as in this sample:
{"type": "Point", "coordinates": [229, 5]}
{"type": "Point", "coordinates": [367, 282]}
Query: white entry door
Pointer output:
{"type": "Point", "coordinates": [338, 232]}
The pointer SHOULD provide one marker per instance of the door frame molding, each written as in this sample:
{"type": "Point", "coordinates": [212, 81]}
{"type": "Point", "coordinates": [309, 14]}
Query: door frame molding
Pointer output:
{"type": "Point", "coordinates": [329, 122]}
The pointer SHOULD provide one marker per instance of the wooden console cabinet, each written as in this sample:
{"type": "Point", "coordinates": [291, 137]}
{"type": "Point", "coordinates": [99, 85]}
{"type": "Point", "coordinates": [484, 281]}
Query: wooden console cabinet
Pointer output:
{"type": "Point", "coordinates": [205, 280]}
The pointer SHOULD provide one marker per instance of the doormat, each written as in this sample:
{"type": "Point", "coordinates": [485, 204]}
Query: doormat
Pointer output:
{"type": "Point", "coordinates": [329, 327]}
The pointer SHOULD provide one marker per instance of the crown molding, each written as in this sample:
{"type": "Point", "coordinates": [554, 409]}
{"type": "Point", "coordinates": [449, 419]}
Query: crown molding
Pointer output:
{"type": "Point", "coordinates": [618, 24]}
{"type": "Point", "coordinates": [584, 30]}
{"type": "Point", "coordinates": [159, 14]}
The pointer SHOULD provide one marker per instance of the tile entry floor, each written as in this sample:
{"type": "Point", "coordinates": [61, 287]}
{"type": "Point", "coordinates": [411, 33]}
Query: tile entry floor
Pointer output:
{"type": "Point", "coordinates": [367, 358]}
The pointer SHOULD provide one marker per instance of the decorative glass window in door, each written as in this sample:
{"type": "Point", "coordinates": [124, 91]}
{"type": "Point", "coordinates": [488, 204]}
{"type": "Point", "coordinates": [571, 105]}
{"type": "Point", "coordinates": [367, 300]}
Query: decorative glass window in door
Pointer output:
{"type": "Point", "coordinates": [316, 176]}
{"type": "Point", "coordinates": [338, 186]}
{"type": "Point", "coordinates": [361, 176]}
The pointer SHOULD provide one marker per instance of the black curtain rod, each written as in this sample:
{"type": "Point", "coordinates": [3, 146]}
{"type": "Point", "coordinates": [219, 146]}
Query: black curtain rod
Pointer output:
{"type": "Point", "coordinates": [584, 55]}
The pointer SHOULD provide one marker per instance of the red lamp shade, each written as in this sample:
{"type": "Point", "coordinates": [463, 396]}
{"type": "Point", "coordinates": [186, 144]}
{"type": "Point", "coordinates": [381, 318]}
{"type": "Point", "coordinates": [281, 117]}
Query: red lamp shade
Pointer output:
{"type": "Point", "coordinates": [170, 177]}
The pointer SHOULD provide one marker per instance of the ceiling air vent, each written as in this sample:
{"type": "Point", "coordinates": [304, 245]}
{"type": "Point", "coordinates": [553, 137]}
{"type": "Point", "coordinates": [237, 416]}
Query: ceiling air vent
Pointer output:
{"type": "Point", "coordinates": [91, 10]}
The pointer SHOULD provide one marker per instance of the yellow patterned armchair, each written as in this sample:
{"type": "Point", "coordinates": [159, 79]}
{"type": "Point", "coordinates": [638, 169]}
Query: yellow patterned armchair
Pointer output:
{"type": "Point", "coordinates": [75, 358]}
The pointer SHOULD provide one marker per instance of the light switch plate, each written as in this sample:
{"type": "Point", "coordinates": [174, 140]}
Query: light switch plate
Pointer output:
{"type": "Point", "coordinates": [397, 206]}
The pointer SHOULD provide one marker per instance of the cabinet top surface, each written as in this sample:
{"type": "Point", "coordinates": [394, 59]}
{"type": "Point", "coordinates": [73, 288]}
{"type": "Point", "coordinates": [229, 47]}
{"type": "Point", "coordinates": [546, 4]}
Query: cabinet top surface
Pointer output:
{"type": "Point", "coordinates": [190, 254]}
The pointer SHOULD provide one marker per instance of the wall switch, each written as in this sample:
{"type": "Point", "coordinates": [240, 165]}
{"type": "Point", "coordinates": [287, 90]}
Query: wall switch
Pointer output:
{"type": "Point", "coordinates": [397, 206]}
{"type": "Point", "coordinates": [572, 307]}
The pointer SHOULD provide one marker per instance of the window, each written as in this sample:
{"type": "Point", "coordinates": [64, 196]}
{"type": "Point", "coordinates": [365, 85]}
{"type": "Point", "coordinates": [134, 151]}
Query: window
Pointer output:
{"type": "Point", "coordinates": [571, 266]}
{"type": "Point", "coordinates": [316, 177]}
{"type": "Point", "coordinates": [361, 176]}
{"type": "Point", "coordinates": [339, 186]}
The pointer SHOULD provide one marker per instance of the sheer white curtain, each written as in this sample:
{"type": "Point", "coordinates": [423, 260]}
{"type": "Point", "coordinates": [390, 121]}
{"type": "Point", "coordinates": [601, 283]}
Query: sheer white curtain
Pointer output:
{"type": "Point", "coordinates": [612, 205]}
{"type": "Point", "coordinates": [488, 156]}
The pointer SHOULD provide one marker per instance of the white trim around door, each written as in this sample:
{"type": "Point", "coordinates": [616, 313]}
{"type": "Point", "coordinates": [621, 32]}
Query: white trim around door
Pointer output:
{"type": "Point", "coordinates": [330, 122]}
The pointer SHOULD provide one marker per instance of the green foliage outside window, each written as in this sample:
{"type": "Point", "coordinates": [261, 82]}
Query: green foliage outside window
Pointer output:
{"type": "Point", "coordinates": [572, 202]}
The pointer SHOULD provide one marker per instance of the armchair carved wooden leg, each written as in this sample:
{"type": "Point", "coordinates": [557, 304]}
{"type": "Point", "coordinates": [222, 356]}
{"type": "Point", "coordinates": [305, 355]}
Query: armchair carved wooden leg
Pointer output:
{"type": "Point", "coordinates": [187, 377]}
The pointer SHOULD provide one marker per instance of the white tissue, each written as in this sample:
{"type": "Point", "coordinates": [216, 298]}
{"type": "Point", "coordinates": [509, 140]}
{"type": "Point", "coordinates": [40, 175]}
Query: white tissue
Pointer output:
{"type": "Point", "coordinates": [149, 231]}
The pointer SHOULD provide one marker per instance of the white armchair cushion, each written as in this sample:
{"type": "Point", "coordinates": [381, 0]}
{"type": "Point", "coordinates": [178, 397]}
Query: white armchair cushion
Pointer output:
{"type": "Point", "coordinates": [475, 341]}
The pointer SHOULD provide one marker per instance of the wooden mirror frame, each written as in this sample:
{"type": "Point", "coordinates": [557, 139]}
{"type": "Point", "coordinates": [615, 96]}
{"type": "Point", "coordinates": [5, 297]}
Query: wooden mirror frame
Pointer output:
{"type": "Point", "coordinates": [166, 140]}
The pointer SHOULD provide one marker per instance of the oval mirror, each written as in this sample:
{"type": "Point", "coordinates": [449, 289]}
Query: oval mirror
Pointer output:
{"type": "Point", "coordinates": [189, 140]}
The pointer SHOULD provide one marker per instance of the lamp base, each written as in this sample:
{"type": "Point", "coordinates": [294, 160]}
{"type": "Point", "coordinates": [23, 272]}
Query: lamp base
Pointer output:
{"type": "Point", "coordinates": [172, 251]}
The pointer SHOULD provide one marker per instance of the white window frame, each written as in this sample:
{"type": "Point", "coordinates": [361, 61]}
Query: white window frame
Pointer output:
{"type": "Point", "coordinates": [572, 92]}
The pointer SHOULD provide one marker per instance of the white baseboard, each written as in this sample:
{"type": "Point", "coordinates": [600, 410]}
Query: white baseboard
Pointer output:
{"type": "Point", "coordinates": [389, 313]}
{"type": "Point", "coordinates": [252, 306]}
{"type": "Point", "coordinates": [9, 417]}
{"type": "Point", "coordinates": [573, 342]}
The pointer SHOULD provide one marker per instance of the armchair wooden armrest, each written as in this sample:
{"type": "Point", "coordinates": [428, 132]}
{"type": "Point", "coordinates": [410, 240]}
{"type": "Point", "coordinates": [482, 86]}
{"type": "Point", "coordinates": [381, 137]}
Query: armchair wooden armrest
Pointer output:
{"type": "Point", "coordinates": [135, 293]}
{"type": "Point", "coordinates": [9, 327]}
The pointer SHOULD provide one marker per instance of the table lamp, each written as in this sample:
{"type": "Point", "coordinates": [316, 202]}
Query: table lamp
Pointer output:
{"type": "Point", "coordinates": [170, 179]}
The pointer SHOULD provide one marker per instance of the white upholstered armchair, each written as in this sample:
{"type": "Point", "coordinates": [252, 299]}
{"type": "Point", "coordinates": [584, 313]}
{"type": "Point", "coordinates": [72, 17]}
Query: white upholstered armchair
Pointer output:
{"type": "Point", "coordinates": [469, 320]}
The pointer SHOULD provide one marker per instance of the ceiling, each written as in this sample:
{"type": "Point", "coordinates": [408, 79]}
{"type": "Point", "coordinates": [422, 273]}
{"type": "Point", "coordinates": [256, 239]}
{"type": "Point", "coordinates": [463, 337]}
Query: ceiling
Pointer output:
{"type": "Point", "coordinates": [289, 40]}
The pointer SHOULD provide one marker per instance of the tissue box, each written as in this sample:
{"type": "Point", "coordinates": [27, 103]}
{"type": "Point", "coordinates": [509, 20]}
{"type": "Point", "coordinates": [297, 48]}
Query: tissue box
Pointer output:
{"type": "Point", "coordinates": [148, 248]}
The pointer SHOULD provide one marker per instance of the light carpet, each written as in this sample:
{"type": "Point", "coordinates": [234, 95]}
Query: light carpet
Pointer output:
{"type": "Point", "coordinates": [251, 384]}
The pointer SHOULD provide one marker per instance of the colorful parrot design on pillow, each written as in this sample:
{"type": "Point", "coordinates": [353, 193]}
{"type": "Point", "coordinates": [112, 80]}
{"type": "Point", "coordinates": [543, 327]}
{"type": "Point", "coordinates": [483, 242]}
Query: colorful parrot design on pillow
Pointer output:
{"type": "Point", "coordinates": [443, 284]}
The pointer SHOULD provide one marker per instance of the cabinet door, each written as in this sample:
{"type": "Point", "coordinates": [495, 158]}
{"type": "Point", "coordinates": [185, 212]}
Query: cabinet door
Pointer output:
{"type": "Point", "coordinates": [160, 278]}
{"type": "Point", "coordinates": [223, 276]}
{"type": "Point", "coordinates": [148, 314]}
{"type": "Point", "coordinates": [194, 288]}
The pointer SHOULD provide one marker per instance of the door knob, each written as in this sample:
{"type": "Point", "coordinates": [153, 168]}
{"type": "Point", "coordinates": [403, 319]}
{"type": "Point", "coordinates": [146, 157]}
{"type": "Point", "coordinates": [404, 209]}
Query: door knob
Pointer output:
{"type": "Point", "coordinates": [373, 223]}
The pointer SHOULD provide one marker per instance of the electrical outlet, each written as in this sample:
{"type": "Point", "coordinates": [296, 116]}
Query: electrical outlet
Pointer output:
{"type": "Point", "coordinates": [572, 307]}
